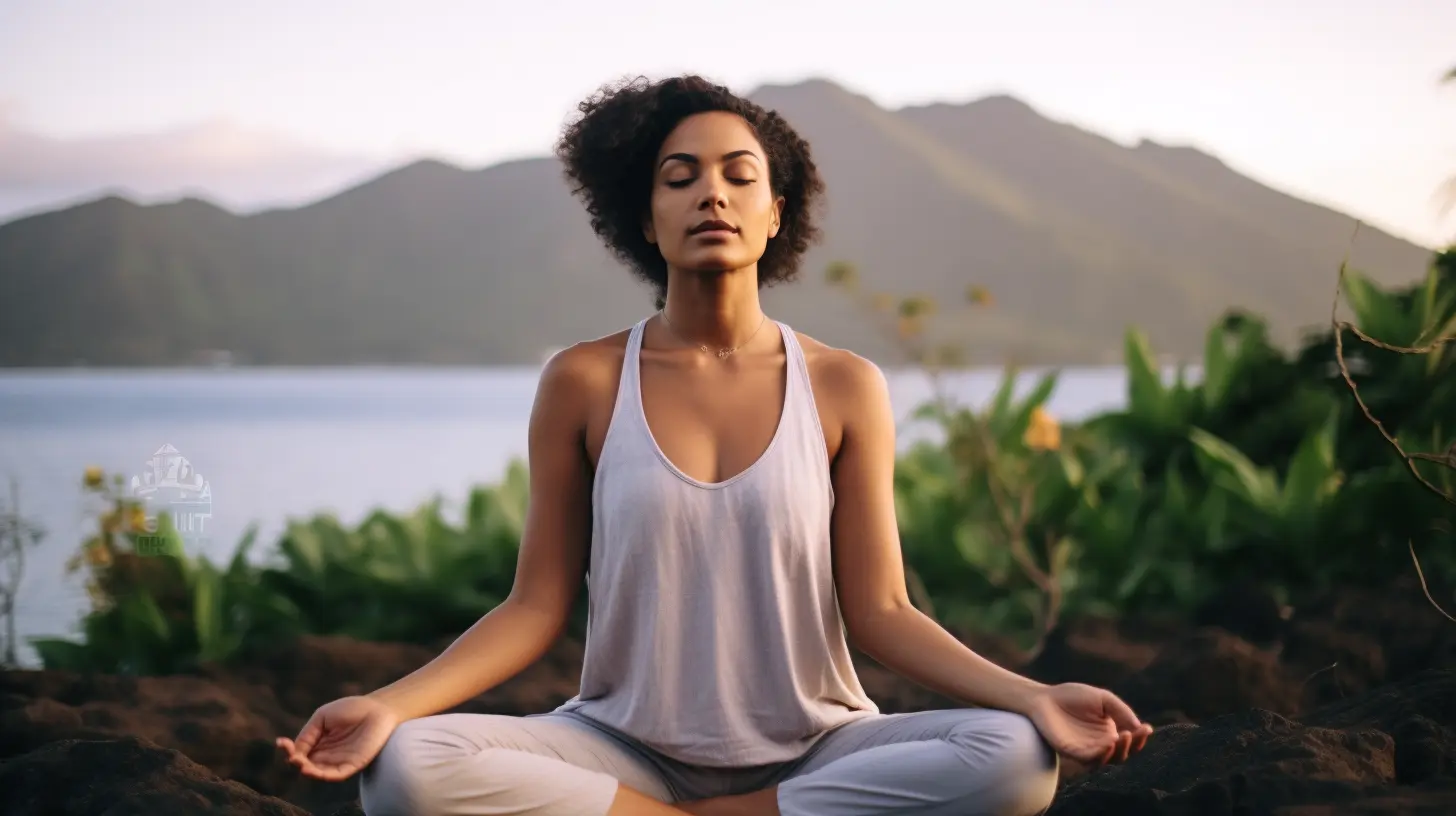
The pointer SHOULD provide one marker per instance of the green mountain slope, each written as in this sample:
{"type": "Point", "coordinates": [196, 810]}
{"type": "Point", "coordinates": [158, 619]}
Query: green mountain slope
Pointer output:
{"type": "Point", "coordinates": [1075, 236]}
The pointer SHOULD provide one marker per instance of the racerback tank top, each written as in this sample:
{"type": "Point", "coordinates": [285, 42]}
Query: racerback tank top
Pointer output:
{"type": "Point", "coordinates": [714, 634]}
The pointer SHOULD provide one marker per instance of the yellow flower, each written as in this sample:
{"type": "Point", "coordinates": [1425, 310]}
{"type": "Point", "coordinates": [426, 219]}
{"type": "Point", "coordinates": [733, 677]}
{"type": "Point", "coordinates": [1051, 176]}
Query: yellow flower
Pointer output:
{"type": "Point", "coordinates": [138, 520]}
{"type": "Point", "coordinates": [1043, 433]}
{"type": "Point", "coordinates": [98, 555]}
{"type": "Point", "coordinates": [94, 476]}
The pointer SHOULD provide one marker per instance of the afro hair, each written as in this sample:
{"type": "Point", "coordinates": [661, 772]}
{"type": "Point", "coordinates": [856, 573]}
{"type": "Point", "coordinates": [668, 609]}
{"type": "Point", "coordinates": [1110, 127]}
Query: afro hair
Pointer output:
{"type": "Point", "coordinates": [608, 154]}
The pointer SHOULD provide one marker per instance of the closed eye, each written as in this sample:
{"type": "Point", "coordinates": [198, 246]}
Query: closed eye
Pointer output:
{"type": "Point", "coordinates": [685, 182]}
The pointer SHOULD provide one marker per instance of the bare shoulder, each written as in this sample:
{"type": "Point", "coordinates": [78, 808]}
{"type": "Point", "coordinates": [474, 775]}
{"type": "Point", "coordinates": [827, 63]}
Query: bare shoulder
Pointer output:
{"type": "Point", "coordinates": [584, 370]}
{"type": "Point", "coordinates": [841, 375]}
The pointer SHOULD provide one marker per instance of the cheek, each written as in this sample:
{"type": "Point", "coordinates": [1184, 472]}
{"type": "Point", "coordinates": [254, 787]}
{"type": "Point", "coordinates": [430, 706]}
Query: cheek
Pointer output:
{"type": "Point", "coordinates": [757, 205]}
{"type": "Point", "coordinates": [658, 213]}
{"type": "Point", "coordinates": [668, 206]}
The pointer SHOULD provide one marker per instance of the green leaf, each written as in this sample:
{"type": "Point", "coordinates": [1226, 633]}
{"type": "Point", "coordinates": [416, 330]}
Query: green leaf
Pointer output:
{"type": "Point", "coordinates": [145, 630]}
{"type": "Point", "coordinates": [1442, 323]}
{"type": "Point", "coordinates": [1072, 469]}
{"type": "Point", "coordinates": [1007, 419]}
{"type": "Point", "coordinates": [980, 551]}
{"type": "Point", "coordinates": [1312, 472]}
{"type": "Point", "coordinates": [1133, 579]}
{"type": "Point", "coordinates": [1019, 421]}
{"type": "Point", "coordinates": [1147, 398]}
{"type": "Point", "coordinates": [1001, 400]}
{"type": "Point", "coordinates": [207, 612]}
{"type": "Point", "coordinates": [303, 550]}
{"type": "Point", "coordinates": [64, 655]}
{"type": "Point", "coordinates": [1217, 368]}
{"type": "Point", "coordinates": [1252, 484]}
{"type": "Point", "coordinates": [1213, 517]}
{"type": "Point", "coordinates": [239, 563]}
{"type": "Point", "coordinates": [1377, 312]}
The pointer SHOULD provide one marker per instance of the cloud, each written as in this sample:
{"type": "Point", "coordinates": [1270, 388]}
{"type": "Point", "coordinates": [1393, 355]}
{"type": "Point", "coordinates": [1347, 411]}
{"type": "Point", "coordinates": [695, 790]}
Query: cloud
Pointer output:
{"type": "Point", "coordinates": [219, 160]}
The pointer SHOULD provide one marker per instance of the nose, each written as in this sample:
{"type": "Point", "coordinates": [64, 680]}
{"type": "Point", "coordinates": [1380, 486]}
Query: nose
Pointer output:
{"type": "Point", "coordinates": [714, 194]}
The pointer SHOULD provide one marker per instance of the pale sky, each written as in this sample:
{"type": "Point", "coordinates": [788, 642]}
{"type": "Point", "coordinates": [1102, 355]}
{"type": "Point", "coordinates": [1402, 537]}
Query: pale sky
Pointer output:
{"type": "Point", "coordinates": [1336, 101]}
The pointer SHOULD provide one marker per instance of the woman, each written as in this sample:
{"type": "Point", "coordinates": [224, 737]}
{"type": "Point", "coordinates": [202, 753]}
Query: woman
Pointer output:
{"type": "Point", "coordinates": [724, 484]}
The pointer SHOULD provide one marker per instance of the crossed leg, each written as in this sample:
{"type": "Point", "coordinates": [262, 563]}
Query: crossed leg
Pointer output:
{"type": "Point", "coordinates": [499, 765]}
{"type": "Point", "coordinates": [956, 762]}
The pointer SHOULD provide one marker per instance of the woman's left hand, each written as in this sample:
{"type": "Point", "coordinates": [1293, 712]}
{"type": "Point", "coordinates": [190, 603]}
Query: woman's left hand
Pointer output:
{"type": "Point", "coordinates": [1088, 724]}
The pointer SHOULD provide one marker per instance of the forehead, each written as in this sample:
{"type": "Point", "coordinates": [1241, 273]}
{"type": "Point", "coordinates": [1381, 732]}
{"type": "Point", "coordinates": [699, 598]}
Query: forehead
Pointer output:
{"type": "Point", "coordinates": [710, 134]}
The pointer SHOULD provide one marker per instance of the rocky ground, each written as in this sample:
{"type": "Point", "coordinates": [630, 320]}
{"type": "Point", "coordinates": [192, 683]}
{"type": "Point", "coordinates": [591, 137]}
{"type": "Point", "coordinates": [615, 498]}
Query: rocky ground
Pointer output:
{"type": "Point", "coordinates": [1346, 705]}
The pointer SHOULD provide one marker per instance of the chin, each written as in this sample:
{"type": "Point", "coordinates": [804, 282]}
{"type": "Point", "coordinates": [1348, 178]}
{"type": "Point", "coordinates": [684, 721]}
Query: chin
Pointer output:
{"type": "Point", "coordinates": [714, 262]}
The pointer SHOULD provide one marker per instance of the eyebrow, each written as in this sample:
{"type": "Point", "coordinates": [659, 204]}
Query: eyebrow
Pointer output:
{"type": "Point", "coordinates": [691, 159]}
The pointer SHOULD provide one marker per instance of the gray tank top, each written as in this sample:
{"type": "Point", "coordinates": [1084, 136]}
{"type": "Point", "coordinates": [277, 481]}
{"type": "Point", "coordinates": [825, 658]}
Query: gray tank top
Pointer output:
{"type": "Point", "coordinates": [714, 635]}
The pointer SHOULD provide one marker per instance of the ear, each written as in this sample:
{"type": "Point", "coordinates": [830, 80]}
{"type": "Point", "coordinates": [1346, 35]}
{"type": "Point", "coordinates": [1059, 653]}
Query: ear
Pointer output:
{"type": "Point", "coordinates": [648, 230]}
{"type": "Point", "coordinates": [776, 220]}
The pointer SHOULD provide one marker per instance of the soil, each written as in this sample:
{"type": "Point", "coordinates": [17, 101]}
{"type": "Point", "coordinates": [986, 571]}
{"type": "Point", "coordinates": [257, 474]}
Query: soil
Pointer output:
{"type": "Point", "coordinates": [1345, 704]}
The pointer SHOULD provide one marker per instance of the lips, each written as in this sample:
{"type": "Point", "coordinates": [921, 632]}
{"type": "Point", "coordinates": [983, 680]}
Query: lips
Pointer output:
{"type": "Point", "coordinates": [712, 226]}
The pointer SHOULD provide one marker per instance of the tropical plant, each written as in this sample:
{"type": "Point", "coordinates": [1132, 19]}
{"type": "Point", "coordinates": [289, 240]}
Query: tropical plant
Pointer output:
{"type": "Point", "coordinates": [412, 578]}
{"type": "Point", "coordinates": [155, 609]}
{"type": "Point", "coordinates": [973, 511]}
{"type": "Point", "coordinates": [1243, 377]}
{"type": "Point", "coordinates": [1260, 466]}
{"type": "Point", "coordinates": [1420, 350]}
{"type": "Point", "coordinates": [977, 490]}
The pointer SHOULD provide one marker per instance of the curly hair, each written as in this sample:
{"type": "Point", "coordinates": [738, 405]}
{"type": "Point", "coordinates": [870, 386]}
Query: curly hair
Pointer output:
{"type": "Point", "coordinates": [609, 152]}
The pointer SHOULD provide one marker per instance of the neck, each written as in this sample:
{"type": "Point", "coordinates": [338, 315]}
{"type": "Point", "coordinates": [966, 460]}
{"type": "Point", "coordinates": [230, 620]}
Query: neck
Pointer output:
{"type": "Point", "coordinates": [719, 309]}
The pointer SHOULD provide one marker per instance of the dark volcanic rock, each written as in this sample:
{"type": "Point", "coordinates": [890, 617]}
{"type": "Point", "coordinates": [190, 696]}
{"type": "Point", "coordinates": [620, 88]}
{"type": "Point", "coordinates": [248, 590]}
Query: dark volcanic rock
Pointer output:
{"type": "Point", "coordinates": [1377, 750]}
{"type": "Point", "coordinates": [1093, 650]}
{"type": "Point", "coordinates": [227, 716]}
{"type": "Point", "coordinates": [227, 727]}
{"type": "Point", "coordinates": [1414, 802]}
{"type": "Point", "coordinates": [314, 669]}
{"type": "Point", "coordinates": [220, 727]}
{"type": "Point", "coordinates": [1397, 621]}
{"type": "Point", "coordinates": [1207, 674]}
{"type": "Point", "coordinates": [124, 776]}
{"type": "Point", "coordinates": [1245, 609]}
{"type": "Point", "coordinates": [1335, 662]}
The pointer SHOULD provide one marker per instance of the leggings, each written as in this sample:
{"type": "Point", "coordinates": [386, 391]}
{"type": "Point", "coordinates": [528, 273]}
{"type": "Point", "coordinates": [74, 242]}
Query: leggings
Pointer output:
{"type": "Point", "coordinates": [954, 762]}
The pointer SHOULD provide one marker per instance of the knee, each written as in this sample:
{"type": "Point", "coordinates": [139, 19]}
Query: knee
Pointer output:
{"type": "Point", "coordinates": [398, 781]}
{"type": "Point", "coordinates": [1017, 767]}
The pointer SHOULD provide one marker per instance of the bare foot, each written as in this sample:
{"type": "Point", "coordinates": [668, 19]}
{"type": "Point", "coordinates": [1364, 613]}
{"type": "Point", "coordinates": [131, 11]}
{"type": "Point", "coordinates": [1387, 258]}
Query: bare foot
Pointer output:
{"type": "Point", "coordinates": [629, 802]}
{"type": "Point", "coordinates": [758, 803]}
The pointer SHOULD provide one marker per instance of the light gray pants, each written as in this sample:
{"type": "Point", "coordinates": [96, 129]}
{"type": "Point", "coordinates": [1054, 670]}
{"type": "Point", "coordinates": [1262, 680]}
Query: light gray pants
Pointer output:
{"type": "Point", "coordinates": [956, 762]}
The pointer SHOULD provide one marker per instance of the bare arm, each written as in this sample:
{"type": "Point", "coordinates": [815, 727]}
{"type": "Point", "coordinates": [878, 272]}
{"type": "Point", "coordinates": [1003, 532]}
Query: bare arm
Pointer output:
{"type": "Point", "coordinates": [550, 565]}
{"type": "Point", "coordinates": [869, 572]}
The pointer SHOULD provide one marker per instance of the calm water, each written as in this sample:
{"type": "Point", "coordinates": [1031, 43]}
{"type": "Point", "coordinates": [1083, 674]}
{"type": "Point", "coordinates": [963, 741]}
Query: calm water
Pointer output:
{"type": "Point", "coordinates": [275, 444]}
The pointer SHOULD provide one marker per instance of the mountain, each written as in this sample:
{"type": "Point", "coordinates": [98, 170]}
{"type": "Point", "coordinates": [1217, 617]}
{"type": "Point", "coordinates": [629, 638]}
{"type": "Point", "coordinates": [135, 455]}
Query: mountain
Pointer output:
{"type": "Point", "coordinates": [1075, 236]}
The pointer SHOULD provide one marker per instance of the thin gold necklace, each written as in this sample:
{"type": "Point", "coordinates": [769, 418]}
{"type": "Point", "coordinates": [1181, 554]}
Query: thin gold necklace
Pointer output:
{"type": "Point", "coordinates": [722, 352]}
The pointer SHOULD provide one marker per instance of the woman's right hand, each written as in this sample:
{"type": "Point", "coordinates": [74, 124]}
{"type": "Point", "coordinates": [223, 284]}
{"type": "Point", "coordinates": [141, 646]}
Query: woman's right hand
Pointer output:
{"type": "Point", "coordinates": [340, 738]}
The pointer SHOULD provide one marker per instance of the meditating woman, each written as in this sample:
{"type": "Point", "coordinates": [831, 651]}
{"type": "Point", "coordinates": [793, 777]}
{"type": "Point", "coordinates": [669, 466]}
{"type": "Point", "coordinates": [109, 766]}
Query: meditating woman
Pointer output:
{"type": "Point", "coordinates": [724, 485]}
